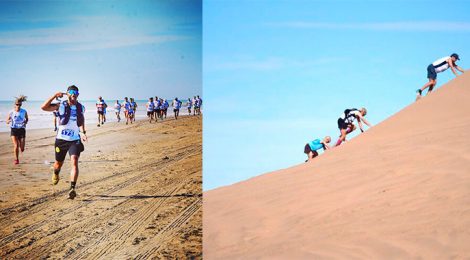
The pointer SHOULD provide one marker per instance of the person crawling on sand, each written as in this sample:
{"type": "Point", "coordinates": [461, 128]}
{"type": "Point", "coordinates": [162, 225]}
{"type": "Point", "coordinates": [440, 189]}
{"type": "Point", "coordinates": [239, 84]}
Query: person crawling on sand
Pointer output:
{"type": "Point", "coordinates": [70, 135]}
{"type": "Point", "coordinates": [345, 122]}
{"type": "Point", "coordinates": [439, 66]}
{"type": "Point", "coordinates": [312, 147]}
{"type": "Point", "coordinates": [17, 119]}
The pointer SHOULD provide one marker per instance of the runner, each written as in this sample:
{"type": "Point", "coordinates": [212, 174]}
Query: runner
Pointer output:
{"type": "Point", "coordinates": [104, 111]}
{"type": "Point", "coordinates": [162, 108]}
{"type": "Point", "coordinates": [117, 109]}
{"type": "Point", "coordinates": [312, 147]}
{"type": "Point", "coordinates": [150, 109]}
{"type": "Point", "coordinates": [176, 107]}
{"type": "Point", "coordinates": [345, 122]}
{"type": "Point", "coordinates": [439, 66]}
{"type": "Point", "coordinates": [56, 115]}
{"type": "Point", "coordinates": [17, 119]}
{"type": "Point", "coordinates": [156, 108]}
{"type": "Point", "coordinates": [70, 135]}
{"type": "Point", "coordinates": [130, 112]}
{"type": "Point", "coordinates": [165, 107]}
{"type": "Point", "coordinates": [126, 108]}
{"type": "Point", "coordinates": [195, 105]}
{"type": "Point", "coordinates": [134, 106]}
{"type": "Point", "coordinates": [100, 106]}
{"type": "Point", "coordinates": [199, 105]}
{"type": "Point", "coordinates": [189, 104]}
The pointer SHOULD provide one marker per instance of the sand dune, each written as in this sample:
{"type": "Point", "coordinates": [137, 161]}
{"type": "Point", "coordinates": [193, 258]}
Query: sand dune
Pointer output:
{"type": "Point", "coordinates": [400, 190]}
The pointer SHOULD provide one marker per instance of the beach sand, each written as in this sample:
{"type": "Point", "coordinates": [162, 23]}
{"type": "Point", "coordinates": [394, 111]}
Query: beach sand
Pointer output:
{"type": "Point", "coordinates": [401, 190]}
{"type": "Point", "coordinates": [139, 194]}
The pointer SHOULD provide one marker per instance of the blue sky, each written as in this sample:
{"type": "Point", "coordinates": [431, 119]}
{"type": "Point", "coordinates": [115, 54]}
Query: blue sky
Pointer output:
{"type": "Point", "coordinates": [278, 74]}
{"type": "Point", "coordinates": [108, 48]}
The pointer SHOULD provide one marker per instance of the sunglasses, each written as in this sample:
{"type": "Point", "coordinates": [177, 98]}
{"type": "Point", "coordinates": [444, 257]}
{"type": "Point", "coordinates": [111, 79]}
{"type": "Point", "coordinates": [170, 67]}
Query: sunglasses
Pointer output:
{"type": "Point", "coordinates": [18, 105]}
{"type": "Point", "coordinates": [73, 92]}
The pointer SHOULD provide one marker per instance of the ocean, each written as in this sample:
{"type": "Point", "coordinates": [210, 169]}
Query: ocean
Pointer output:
{"type": "Point", "coordinates": [39, 119]}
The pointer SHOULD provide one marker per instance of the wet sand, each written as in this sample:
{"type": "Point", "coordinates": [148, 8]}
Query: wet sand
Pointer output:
{"type": "Point", "coordinates": [139, 194]}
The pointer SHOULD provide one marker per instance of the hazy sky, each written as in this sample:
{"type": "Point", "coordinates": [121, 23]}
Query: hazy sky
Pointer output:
{"type": "Point", "coordinates": [108, 48]}
{"type": "Point", "coordinates": [278, 74]}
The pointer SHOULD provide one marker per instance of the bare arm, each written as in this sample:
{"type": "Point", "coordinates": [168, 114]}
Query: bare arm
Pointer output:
{"type": "Point", "coordinates": [26, 117]}
{"type": "Point", "coordinates": [452, 67]}
{"type": "Point", "coordinates": [82, 129]}
{"type": "Point", "coordinates": [459, 69]}
{"type": "Point", "coordinates": [47, 106]}
{"type": "Point", "coordinates": [8, 119]}
{"type": "Point", "coordinates": [362, 119]}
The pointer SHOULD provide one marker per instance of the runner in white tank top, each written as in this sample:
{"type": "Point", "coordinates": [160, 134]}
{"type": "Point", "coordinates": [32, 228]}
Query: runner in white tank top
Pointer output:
{"type": "Point", "coordinates": [439, 66]}
{"type": "Point", "coordinates": [17, 119]}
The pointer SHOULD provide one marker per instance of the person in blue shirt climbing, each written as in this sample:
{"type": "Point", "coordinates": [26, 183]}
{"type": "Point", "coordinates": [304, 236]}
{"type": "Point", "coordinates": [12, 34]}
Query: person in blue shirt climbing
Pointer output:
{"type": "Point", "coordinates": [312, 147]}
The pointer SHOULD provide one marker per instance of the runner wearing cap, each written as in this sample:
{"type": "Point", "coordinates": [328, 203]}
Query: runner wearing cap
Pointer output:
{"type": "Point", "coordinates": [70, 135]}
{"type": "Point", "coordinates": [439, 66]}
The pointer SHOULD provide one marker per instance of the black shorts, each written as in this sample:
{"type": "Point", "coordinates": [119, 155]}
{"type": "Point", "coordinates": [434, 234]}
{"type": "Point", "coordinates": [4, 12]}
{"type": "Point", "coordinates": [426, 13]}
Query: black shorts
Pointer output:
{"type": "Point", "coordinates": [149, 113]}
{"type": "Point", "coordinates": [100, 112]}
{"type": "Point", "coordinates": [431, 72]}
{"type": "Point", "coordinates": [307, 150]}
{"type": "Point", "coordinates": [174, 110]}
{"type": "Point", "coordinates": [18, 132]}
{"type": "Point", "coordinates": [62, 147]}
{"type": "Point", "coordinates": [157, 111]}
{"type": "Point", "coordinates": [342, 124]}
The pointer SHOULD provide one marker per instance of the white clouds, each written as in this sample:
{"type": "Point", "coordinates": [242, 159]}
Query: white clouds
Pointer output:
{"type": "Point", "coordinates": [424, 26]}
{"type": "Point", "coordinates": [91, 33]}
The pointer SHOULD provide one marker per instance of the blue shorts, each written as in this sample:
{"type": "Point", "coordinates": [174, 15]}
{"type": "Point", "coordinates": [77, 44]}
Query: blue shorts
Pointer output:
{"type": "Point", "coordinates": [431, 72]}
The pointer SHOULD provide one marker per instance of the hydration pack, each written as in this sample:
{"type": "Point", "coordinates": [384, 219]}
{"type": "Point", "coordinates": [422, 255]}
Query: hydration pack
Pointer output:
{"type": "Point", "coordinates": [64, 119]}
{"type": "Point", "coordinates": [347, 111]}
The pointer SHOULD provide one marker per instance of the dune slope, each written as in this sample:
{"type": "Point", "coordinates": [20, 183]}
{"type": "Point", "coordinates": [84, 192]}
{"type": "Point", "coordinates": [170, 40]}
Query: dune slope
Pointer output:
{"type": "Point", "coordinates": [400, 190]}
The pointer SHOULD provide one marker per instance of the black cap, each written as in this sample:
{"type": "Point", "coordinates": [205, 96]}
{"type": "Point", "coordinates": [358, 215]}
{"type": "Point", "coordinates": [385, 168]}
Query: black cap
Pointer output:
{"type": "Point", "coordinates": [455, 55]}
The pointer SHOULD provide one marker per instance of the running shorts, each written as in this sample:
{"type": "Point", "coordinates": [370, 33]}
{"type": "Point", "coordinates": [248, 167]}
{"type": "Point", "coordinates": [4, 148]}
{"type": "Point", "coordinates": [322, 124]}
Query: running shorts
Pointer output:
{"type": "Point", "coordinates": [62, 147]}
{"type": "Point", "coordinates": [18, 132]}
{"type": "Point", "coordinates": [431, 72]}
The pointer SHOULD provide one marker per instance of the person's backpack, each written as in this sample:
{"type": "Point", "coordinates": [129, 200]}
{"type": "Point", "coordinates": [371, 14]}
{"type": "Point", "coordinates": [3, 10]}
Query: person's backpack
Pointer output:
{"type": "Point", "coordinates": [347, 114]}
{"type": "Point", "coordinates": [64, 119]}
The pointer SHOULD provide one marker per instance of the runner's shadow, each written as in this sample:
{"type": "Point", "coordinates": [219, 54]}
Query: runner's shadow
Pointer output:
{"type": "Point", "coordinates": [115, 197]}
{"type": "Point", "coordinates": [99, 161]}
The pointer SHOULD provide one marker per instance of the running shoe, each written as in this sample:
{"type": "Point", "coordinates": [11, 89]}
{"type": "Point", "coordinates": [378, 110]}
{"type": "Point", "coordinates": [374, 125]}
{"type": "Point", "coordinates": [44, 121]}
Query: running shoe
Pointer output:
{"type": "Point", "coordinates": [55, 177]}
{"type": "Point", "coordinates": [16, 161]}
{"type": "Point", "coordinates": [72, 194]}
{"type": "Point", "coordinates": [419, 91]}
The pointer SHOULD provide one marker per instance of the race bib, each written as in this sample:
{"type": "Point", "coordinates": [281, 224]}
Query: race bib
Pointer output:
{"type": "Point", "coordinates": [67, 132]}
